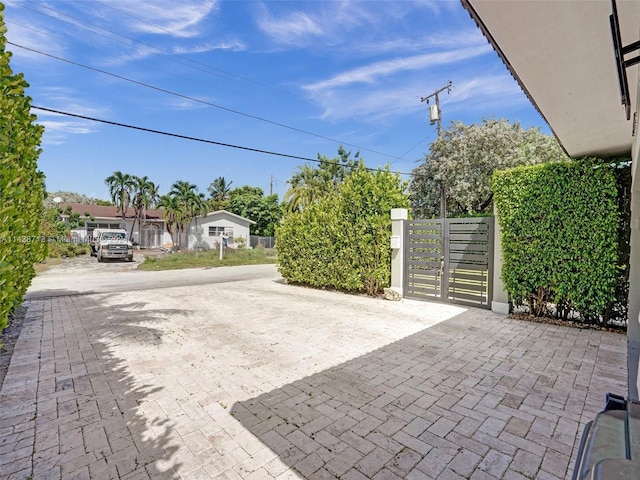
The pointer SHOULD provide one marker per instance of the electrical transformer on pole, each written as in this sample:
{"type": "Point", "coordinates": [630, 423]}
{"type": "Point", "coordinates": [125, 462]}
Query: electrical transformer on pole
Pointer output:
{"type": "Point", "coordinates": [435, 116]}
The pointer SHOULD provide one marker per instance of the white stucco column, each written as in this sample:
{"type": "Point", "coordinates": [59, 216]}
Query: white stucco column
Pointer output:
{"type": "Point", "coordinates": [633, 328]}
{"type": "Point", "coordinates": [500, 298]}
{"type": "Point", "coordinates": [398, 217]}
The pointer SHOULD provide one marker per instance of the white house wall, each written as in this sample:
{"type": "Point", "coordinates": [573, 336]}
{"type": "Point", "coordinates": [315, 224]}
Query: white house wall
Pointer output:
{"type": "Point", "coordinates": [199, 235]}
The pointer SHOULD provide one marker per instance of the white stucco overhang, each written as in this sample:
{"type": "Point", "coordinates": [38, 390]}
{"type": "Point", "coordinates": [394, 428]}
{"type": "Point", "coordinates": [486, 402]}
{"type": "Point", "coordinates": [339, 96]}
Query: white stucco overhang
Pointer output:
{"type": "Point", "coordinates": [561, 54]}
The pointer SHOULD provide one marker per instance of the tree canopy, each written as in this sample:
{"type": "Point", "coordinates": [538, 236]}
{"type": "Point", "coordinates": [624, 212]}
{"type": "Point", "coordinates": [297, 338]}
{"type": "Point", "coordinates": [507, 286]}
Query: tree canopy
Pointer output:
{"type": "Point", "coordinates": [251, 203]}
{"type": "Point", "coordinates": [145, 196]}
{"type": "Point", "coordinates": [120, 186]}
{"type": "Point", "coordinates": [463, 159]}
{"type": "Point", "coordinates": [311, 183]}
{"type": "Point", "coordinates": [184, 203]}
{"type": "Point", "coordinates": [219, 190]}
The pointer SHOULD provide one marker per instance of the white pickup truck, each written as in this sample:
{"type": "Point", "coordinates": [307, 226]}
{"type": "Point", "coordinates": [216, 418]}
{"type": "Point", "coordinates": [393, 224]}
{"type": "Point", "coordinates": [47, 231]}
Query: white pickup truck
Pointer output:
{"type": "Point", "coordinates": [110, 243]}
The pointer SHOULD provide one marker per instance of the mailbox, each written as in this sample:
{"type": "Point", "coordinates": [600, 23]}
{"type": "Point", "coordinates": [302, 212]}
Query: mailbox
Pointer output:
{"type": "Point", "coordinates": [395, 242]}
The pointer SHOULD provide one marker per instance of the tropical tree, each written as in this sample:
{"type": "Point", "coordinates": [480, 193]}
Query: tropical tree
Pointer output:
{"type": "Point", "coordinates": [310, 183]}
{"type": "Point", "coordinates": [251, 203]}
{"type": "Point", "coordinates": [463, 158]}
{"type": "Point", "coordinates": [304, 189]}
{"type": "Point", "coordinates": [145, 196]}
{"type": "Point", "coordinates": [121, 186]}
{"type": "Point", "coordinates": [219, 190]}
{"type": "Point", "coordinates": [170, 212]}
{"type": "Point", "coordinates": [187, 202]}
{"type": "Point", "coordinates": [197, 205]}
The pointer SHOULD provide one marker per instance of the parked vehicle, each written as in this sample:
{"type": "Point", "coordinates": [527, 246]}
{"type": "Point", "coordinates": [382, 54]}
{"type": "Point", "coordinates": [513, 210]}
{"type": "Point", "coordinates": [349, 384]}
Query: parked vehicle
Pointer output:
{"type": "Point", "coordinates": [111, 243]}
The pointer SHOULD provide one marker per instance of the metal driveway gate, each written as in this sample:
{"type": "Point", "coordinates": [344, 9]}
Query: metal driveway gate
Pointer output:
{"type": "Point", "coordinates": [449, 260]}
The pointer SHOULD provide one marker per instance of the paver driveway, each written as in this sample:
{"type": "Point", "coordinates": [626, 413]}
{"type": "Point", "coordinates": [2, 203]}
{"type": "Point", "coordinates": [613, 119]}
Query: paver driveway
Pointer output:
{"type": "Point", "coordinates": [258, 379]}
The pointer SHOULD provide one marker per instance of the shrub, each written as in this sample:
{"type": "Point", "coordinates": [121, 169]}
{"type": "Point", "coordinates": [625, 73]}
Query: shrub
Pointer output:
{"type": "Point", "coordinates": [559, 226]}
{"type": "Point", "coordinates": [70, 250]}
{"type": "Point", "coordinates": [342, 241]}
{"type": "Point", "coordinates": [21, 186]}
{"type": "Point", "coordinates": [240, 242]}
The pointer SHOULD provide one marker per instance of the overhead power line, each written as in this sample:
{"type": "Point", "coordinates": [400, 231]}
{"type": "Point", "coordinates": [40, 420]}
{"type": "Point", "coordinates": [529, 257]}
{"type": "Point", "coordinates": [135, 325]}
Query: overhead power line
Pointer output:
{"type": "Point", "coordinates": [194, 139]}
{"type": "Point", "coordinates": [197, 100]}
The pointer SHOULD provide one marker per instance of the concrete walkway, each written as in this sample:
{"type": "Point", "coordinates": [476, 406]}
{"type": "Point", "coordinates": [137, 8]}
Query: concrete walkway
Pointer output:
{"type": "Point", "coordinates": [259, 380]}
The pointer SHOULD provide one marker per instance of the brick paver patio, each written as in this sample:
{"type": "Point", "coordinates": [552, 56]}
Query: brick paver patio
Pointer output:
{"type": "Point", "coordinates": [263, 380]}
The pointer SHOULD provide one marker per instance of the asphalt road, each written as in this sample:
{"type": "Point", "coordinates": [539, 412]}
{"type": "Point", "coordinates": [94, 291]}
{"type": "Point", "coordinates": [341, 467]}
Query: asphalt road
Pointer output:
{"type": "Point", "coordinates": [85, 275]}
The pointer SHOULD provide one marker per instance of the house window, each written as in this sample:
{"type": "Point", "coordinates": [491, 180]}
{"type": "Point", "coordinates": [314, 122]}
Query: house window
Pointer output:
{"type": "Point", "coordinates": [217, 231]}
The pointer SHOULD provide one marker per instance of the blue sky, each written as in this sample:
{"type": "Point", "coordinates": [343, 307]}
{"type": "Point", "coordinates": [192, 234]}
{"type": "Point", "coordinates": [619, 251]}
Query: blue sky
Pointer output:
{"type": "Point", "coordinates": [298, 78]}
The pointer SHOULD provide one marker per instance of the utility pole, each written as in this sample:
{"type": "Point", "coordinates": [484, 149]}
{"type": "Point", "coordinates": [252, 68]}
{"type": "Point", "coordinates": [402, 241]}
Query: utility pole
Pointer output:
{"type": "Point", "coordinates": [271, 185]}
{"type": "Point", "coordinates": [435, 115]}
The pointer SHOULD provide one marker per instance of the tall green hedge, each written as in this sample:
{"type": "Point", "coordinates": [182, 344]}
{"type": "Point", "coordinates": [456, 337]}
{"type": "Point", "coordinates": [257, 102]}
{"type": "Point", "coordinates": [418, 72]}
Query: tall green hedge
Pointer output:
{"type": "Point", "coordinates": [342, 241]}
{"type": "Point", "coordinates": [21, 186]}
{"type": "Point", "coordinates": [559, 226]}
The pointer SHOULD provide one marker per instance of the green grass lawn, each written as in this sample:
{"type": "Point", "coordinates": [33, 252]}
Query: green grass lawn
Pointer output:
{"type": "Point", "coordinates": [207, 259]}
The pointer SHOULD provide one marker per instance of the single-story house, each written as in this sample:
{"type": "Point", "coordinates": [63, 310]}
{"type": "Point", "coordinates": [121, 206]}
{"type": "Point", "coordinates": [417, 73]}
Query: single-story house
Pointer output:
{"type": "Point", "coordinates": [151, 234]}
{"type": "Point", "coordinates": [562, 55]}
{"type": "Point", "coordinates": [206, 231]}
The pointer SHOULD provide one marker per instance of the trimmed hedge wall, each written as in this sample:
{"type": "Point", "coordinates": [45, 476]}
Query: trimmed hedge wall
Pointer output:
{"type": "Point", "coordinates": [21, 186]}
{"type": "Point", "coordinates": [559, 224]}
{"type": "Point", "coordinates": [342, 241]}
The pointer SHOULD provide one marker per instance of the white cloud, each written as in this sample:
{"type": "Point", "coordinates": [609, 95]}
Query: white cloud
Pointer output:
{"type": "Point", "coordinates": [33, 38]}
{"type": "Point", "coordinates": [465, 38]}
{"type": "Point", "coordinates": [336, 23]}
{"type": "Point", "coordinates": [59, 127]}
{"type": "Point", "coordinates": [371, 105]}
{"type": "Point", "coordinates": [482, 94]}
{"type": "Point", "coordinates": [56, 132]}
{"type": "Point", "coordinates": [487, 94]}
{"type": "Point", "coordinates": [137, 52]}
{"type": "Point", "coordinates": [370, 73]}
{"type": "Point", "coordinates": [179, 19]}
{"type": "Point", "coordinates": [63, 127]}
{"type": "Point", "coordinates": [141, 51]}
{"type": "Point", "coordinates": [291, 29]}
{"type": "Point", "coordinates": [184, 104]}
{"type": "Point", "coordinates": [234, 45]}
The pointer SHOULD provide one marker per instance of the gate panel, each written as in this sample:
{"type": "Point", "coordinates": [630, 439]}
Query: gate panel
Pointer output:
{"type": "Point", "coordinates": [424, 249]}
{"type": "Point", "coordinates": [449, 260]}
{"type": "Point", "coordinates": [468, 266]}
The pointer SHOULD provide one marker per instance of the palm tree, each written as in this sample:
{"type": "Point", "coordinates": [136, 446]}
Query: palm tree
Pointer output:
{"type": "Point", "coordinates": [184, 193]}
{"type": "Point", "coordinates": [170, 210]}
{"type": "Point", "coordinates": [145, 196]}
{"type": "Point", "coordinates": [120, 187]}
{"type": "Point", "coordinates": [197, 205]}
{"type": "Point", "coordinates": [305, 188]}
{"type": "Point", "coordinates": [219, 190]}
